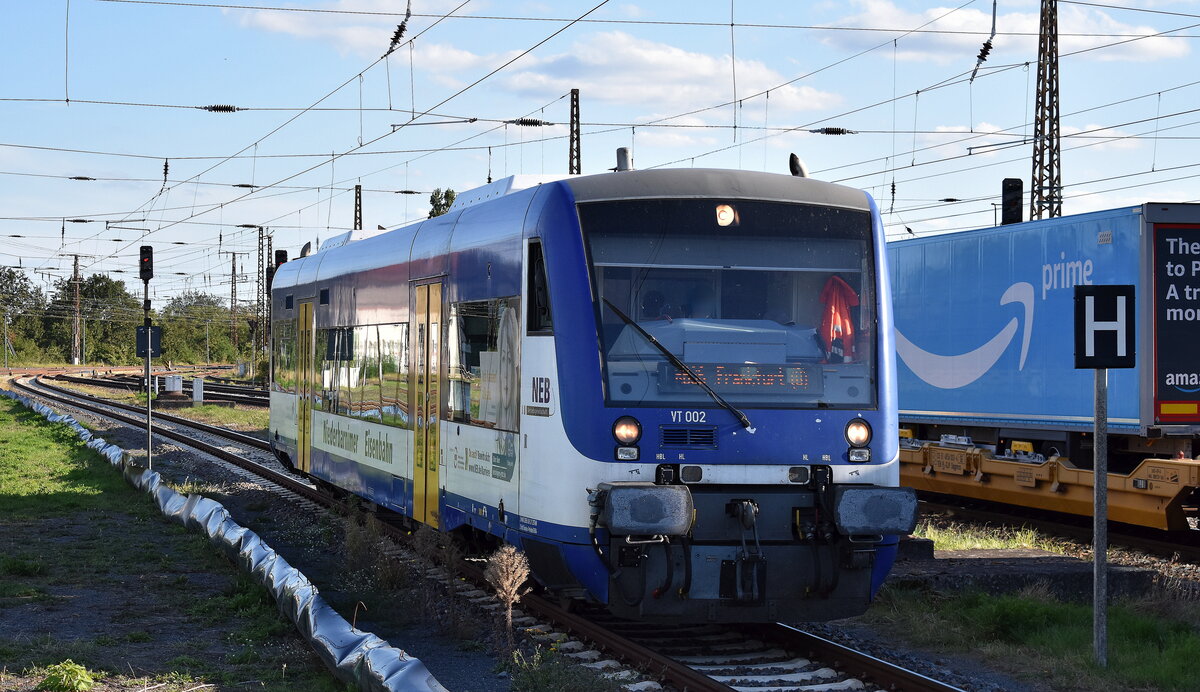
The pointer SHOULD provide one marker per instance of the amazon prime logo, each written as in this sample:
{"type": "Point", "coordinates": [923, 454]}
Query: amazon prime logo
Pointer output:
{"type": "Point", "coordinates": [1187, 382]}
{"type": "Point", "coordinates": [952, 372]}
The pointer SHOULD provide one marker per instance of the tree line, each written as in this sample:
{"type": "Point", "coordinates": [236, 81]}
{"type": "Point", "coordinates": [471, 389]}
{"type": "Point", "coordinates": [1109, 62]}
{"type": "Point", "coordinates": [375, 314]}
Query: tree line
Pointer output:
{"type": "Point", "coordinates": [40, 326]}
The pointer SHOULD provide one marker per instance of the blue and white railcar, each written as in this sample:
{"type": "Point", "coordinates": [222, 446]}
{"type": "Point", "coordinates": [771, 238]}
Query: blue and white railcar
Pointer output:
{"type": "Point", "coordinates": [662, 385]}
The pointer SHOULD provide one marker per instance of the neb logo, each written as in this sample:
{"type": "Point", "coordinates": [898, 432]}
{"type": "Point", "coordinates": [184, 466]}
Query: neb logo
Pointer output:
{"type": "Point", "coordinates": [541, 390]}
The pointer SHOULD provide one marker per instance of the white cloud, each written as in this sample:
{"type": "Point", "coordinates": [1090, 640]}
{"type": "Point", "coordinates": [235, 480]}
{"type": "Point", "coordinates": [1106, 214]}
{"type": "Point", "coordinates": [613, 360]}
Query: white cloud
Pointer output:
{"type": "Point", "coordinates": [631, 11]}
{"type": "Point", "coordinates": [671, 78]}
{"type": "Point", "coordinates": [992, 137]}
{"type": "Point", "coordinates": [1094, 24]}
{"type": "Point", "coordinates": [1093, 139]}
{"type": "Point", "coordinates": [698, 135]}
{"type": "Point", "coordinates": [367, 35]}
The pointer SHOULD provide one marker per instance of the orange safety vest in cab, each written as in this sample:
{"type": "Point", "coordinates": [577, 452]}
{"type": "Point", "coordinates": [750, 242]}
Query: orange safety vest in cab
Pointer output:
{"type": "Point", "coordinates": [837, 328]}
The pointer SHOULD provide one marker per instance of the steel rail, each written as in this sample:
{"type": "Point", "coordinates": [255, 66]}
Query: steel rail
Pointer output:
{"type": "Point", "coordinates": [888, 676]}
{"type": "Point", "coordinates": [674, 673]}
{"type": "Point", "coordinates": [240, 438]}
{"type": "Point", "coordinates": [132, 384]}
{"type": "Point", "coordinates": [668, 670]}
{"type": "Point", "coordinates": [279, 478]}
{"type": "Point", "coordinates": [209, 384]}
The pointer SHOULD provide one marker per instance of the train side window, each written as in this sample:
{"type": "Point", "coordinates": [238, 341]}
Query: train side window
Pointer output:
{"type": "Point", "coordinates": [393, 372]}
{"type": "Point", "coordinates": [283, 365]}
{"type": "Point", "coordinates": [538, 320]}
{"type": "Point", "coordinates": [484, 348]}
{"type": "Point", "coordinates": [325, 341]}
{"type": "Point", "coordinates": [366, 388]}
{"type": "Point", "coordinates": [323, 297]}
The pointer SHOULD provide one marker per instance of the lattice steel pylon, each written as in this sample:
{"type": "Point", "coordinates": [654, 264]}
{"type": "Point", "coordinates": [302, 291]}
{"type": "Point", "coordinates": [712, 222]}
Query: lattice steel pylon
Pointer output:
{"type": "Point", "coordinates": [260, 300]}
{"type": "Point", "coordinates": [574, 164]}
{"type": "Point", "coordinates": [1045, 190]}
{"type": "Point", "coordinates": [76, 348]}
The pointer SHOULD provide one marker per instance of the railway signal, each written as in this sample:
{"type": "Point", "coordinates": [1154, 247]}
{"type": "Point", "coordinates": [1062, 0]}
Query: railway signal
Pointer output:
{"type": "Point", "coordinates": [151, 340]}
{"type": "Point", "coordinates": [146, 263]}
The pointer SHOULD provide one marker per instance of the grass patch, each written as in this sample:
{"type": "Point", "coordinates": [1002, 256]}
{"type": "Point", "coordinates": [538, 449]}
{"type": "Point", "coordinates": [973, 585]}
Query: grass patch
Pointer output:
{"type": "Point", "coordinates": [9, 589]}
{"type": "Point", "coordinates": [46, 471]}
{"type": "Point", "coordinates": [251, 604]}
{"type": "Point", "coordinates": [953, 535]}
{"type": "Point", "coordinates": [1041, 639]}
{"type": "Point", "coordinates": [17, 567]}
{"type": "Point", "coordinates": [245, 419]}
{"type": "Point", "coordinates": [115, 571]}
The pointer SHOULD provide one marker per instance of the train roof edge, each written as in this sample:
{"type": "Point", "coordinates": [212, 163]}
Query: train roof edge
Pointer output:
{"type": "Point", "coordinates": [1154, 212]}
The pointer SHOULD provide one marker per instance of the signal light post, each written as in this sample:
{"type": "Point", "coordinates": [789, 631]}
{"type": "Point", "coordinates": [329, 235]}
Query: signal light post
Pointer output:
{"type": "Point", "coordinates": [146, 272]}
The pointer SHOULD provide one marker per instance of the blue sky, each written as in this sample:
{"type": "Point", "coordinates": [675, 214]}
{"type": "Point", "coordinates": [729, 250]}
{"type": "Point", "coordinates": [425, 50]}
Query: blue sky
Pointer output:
{"type": "Point", "coordinates": [655, 76]}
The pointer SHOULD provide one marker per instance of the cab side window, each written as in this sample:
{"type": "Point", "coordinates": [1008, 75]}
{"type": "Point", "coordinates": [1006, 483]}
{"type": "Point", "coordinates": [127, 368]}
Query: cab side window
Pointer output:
{"type": "Point", "coordinates": [538, 319]}
{"type": "Point", "coordinates": [485, 356]}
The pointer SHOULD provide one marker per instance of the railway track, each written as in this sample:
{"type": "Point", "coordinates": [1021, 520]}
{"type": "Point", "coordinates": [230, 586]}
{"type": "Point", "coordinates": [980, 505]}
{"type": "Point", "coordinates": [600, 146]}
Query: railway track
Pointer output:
{"type": "Point", "coordinates": [691, 657]}
{"type": "Point", "coordinates": [249, 396]}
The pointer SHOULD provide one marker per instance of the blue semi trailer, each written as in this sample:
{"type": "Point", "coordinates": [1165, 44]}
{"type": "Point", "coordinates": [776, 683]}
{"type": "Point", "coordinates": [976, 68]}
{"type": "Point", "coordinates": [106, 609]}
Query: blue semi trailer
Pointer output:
{"type": "Point", "coordinates": [984, 336]}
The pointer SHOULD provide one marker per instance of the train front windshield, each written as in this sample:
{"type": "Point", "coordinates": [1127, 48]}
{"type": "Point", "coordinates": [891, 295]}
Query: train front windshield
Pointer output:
{"type": "Point", "coordinates": [770, 303]}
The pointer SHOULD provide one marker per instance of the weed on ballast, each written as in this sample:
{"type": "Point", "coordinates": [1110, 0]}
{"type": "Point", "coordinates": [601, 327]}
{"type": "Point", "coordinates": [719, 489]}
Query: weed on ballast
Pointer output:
{"type": "Point", "coordinates": [67, 676]}
{"type": "Point", "coordinates": [191, 486]}
{"type": "Point", "coordinates": [954, 535]}
{"type": "Point", "coordinates": [507, 569]}
{"type": "Point", "coordinates": [546, 671]}
{"type": "Point", "coordinates": [361, 543]}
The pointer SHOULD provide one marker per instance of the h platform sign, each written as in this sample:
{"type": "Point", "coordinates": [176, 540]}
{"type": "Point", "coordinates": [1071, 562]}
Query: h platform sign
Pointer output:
{"type": "Point", "coordinates": [1104, 327]}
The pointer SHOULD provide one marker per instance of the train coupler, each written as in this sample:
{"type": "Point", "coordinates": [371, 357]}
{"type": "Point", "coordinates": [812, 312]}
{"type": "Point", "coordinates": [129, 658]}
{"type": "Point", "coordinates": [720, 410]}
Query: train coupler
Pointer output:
{"type": "Point", "coordinates": [749, 565]}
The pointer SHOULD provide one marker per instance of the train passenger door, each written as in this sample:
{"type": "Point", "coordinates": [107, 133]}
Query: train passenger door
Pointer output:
{"type": "Point", "coordinates": [426, 402]}
{"type": "Point", "coordinates": [305, 374]}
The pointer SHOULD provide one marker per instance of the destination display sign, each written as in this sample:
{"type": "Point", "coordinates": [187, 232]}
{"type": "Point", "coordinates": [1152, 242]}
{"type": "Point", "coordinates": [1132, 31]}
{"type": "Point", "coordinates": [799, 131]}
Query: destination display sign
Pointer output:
{"type": "Point", "coordinates": [743, 377]}
{"type": "Point", "coordinates": [1176, 316]}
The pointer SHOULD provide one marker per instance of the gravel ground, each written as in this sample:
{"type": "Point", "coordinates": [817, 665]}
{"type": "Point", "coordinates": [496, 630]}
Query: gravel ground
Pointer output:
{"type": "Point", "coordinates": [457, 649]}
{"type": "Point", "coordinates": [457, 646]}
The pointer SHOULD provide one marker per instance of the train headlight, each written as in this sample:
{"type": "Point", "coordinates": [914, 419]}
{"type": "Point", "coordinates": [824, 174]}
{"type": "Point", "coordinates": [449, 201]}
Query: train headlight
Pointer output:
{"type": "Point", "coordinates": [726, 215]}
{"type": "Point", "coordinates": [627, 430]}
{"type": "Point", "coordinates": [858, 433]}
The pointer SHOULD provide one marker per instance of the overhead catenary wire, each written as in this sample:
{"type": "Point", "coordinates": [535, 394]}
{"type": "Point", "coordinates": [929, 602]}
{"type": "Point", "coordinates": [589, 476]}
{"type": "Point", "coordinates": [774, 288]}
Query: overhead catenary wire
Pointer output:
{"type": "Point", "coordinates": [438, 105]}
{"type": "Point", "coordinates": [158, 208]}
{"type": "Point", "coordinates": [301, 113]}
{"type": "Point", "coordinates": [635, 22]}
{"type": "Point", "coordinates": [948, 82]}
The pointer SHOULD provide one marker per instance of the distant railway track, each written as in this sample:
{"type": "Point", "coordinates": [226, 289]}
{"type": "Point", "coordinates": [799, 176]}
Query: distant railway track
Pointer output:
{"type": "Point", "coordinates": [249, 396]}
{"type": "Point", "coordinates": [695, 658]}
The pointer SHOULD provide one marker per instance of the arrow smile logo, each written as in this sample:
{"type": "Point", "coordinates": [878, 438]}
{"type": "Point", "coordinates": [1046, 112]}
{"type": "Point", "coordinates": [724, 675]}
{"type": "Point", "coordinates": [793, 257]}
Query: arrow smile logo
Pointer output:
{"type": "Point", "coordinates": [952, 372]}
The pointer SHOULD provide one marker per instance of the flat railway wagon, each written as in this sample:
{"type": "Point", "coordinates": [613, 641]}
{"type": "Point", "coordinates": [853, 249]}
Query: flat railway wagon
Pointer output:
{"type": "Point", "coordinates": [991, 406]}
{"type": "Point", "coordinates": [661, 385]}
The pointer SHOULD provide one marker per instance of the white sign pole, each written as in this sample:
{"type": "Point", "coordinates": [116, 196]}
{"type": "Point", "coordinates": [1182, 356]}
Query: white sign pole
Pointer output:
{"type": "Point", "coordinates": [1100, 521]}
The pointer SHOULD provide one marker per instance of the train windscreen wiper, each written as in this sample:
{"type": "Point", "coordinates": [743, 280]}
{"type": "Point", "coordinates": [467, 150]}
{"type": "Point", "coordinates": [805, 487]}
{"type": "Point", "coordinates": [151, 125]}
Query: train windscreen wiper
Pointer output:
{"type": "Point", "coordinates": [683, 367]}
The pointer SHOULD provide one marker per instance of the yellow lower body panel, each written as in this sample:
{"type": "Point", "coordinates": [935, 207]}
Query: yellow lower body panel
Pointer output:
{"type": "Point", "coordinates": [1152, 495]}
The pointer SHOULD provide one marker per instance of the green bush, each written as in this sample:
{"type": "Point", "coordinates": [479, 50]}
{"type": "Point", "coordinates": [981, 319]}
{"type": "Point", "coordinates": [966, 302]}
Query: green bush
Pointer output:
{"type": "Point", "coordinates": [67, 676]}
